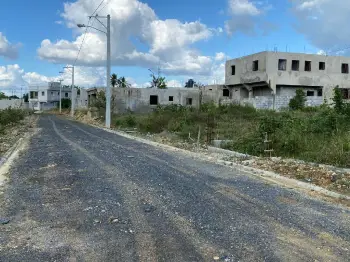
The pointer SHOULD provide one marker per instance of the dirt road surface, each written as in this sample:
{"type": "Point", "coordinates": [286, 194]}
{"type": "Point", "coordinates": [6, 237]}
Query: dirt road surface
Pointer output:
{"type": "Point", "coordinates": [78, 193]}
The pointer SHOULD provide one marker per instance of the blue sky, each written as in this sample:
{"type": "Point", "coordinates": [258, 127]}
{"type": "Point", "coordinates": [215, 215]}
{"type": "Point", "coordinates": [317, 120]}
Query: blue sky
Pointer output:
{"type": "Point", "coordinates": [183, 37]}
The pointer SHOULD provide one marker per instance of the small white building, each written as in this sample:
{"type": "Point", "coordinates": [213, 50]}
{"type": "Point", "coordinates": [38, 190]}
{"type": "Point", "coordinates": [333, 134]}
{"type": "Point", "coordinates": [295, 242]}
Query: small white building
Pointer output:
{"type": "Point", "coordinates": [48, 96]}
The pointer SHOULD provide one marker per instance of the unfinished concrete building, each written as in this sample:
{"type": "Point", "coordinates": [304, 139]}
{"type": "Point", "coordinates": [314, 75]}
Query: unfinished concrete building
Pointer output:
{"type": "Point", "coordinates": [146, 99]}
{"type": "Point", "coordinates": [268, 80]}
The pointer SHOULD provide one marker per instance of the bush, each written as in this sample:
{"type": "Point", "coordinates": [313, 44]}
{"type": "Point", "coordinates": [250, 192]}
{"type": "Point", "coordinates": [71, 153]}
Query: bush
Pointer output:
{"type": "Point", "coordinates": [313, 134]}
{"type": "Point", "coordinates": [66, 103]}
{"type": "Point", "coordinates": [298, 102]}
{"type": "Point", "coordinates": [10, 116]}
{"type": "Point", "coordinates": [338, 102]}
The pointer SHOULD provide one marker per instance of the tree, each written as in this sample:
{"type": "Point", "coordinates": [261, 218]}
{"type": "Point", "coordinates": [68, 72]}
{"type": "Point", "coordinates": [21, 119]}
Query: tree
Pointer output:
{"type": "Point", "coordinates": [13, 97]}
{"type": "Point", "coordinates": [158, 81]}
{"type": "Point", "coordinates": [26, 97]}
{"type": "Point", "coordinates": [3, 96]}
{"type": "Point", "coordinates": [123, 83]}
{"type": "Point", "coordinates": [190, 83]}
{"type": "Point", "coordinates": [66, 103]}
{"type": "Point", "coordinates": [298, 102]}
{"type": "Point", "coordinates": [114, 80]}
{"type": "Point", "coordinates": [338, 102]}
{"type": "Point", "coordinates": [100, 100]}
{"type": "Point", "coordinates": [199, 84]}
{"type": "Point", "coordinates": [78, 90]}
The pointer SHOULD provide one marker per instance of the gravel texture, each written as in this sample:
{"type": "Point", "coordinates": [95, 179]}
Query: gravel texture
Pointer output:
{"type": "Point", "coordinates": [83, 194]}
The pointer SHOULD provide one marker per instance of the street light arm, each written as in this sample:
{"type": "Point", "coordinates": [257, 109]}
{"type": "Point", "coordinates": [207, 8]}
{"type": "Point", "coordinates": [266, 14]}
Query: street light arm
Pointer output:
{"type": "Point", "coordinates": [89, 26]}
{"type": "Point", "coordinates": [101, 23]}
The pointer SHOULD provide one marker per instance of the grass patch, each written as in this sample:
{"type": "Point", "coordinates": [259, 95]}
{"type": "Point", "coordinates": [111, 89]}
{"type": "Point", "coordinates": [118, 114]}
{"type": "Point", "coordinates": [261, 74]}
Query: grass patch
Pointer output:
{"type": "Point", "coordinates": [319, 134]}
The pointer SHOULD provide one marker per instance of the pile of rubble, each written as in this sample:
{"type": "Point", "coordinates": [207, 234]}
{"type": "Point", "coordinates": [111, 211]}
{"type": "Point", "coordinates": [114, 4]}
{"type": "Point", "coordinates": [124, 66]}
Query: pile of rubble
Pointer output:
{"type": "Point", "coordinates": [329, 177]}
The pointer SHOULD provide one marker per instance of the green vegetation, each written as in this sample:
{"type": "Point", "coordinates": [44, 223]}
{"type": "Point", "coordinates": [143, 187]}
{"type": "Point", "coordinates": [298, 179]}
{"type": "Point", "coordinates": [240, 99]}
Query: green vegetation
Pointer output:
{"type": "Point", "coordinates": [10, 116]}
{"type": "Point", "coordinates": [320, 134]}
{"type": "Point", "coordinates": [66, 103]}
{"type": "Point", "coordinates": [158, 81]}
{"type": "Point", "coordinates": [121, 82]}
{"type": "Point", "coordinates": [298, 102]}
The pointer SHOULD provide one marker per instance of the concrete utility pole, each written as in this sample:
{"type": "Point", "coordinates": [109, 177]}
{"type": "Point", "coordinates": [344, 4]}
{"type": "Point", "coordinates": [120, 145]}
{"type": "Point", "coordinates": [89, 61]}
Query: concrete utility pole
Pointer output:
{"type": "Point", "coordinates": [108, 84]}
{"type": "Point", "coordinates": [61, 80]}
{"type": "Point", "coordinates": [72, 95]}
{"type": "Point", "coordinates": [108, 89]}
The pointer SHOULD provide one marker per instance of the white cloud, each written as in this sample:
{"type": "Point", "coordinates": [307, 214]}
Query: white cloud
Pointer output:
{"type": "Point", "coordinates": [243, 7]}
{"type": "Point", "coordinates": [321, 52]}
{"type": "Point", "coordinates": [85, 76]}
{"type": "Point", "coordinates": [220, 56]}
{"type": "Point", "coordinates": [310, 4]}
{"type": "Point", "coordinates": [12, 76]}
{"type": "Point", "coordinates": [174, 83]}
{"type": "Point", "coordinates": [33, 78]}
{"type": "Point", "coordinates": [324, 23]}
{"type": "Point", "coordinates": [7, 49]}
{"type": "Point", "coordinates": [246, 17]}
{"type": "Point", "coordinates": [165, 43]}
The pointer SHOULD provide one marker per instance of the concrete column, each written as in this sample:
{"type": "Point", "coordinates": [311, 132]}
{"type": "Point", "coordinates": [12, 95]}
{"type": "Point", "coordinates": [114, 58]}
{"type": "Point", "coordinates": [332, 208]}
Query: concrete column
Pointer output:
{"type": "Point", "coordinates": [250, 93]}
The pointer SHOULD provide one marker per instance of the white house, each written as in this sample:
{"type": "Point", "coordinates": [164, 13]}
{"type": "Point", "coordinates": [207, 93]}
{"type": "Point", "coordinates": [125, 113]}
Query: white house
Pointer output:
{"type": "Point", "coordinates": [47, 96]}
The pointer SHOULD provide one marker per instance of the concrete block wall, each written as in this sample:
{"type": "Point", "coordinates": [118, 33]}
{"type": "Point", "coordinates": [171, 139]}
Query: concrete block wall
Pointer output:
{"type": "Point", "coordinates": [281, 102]}
{"type": "Point", "coordinates": [259, 102]}
{"type": "Point", "coordinates": [138, 99]}
{"type": "Point", "coordinates": [14, 103]}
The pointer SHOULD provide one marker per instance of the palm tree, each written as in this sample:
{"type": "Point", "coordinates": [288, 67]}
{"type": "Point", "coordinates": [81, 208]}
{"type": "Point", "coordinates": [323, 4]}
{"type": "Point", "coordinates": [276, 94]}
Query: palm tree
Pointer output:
{"type": "Point", "coordinates": [114, 80]}
{"type": "Point", "coordinates": [158, 81]}
{"type": "Point", "coordinates": [123, 83]}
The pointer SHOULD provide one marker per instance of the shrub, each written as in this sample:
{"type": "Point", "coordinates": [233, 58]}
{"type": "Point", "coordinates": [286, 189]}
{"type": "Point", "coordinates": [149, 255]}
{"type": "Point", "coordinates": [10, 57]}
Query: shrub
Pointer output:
{"type": "Point", "coordinates": [10, 116]}
{"type": "Point", "coordinates": [298, 102]}
{"type": "Point", "coordinates": [338, 102]}
{"type": "Point", "coordinates": [66, 103]}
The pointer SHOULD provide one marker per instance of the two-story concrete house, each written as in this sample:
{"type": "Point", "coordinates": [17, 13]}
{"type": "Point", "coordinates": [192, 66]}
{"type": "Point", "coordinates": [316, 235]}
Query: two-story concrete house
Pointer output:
{"type": "Point", "coordinates": [270, 79]}
{"type": "Point", "coordinates": [47, 96]}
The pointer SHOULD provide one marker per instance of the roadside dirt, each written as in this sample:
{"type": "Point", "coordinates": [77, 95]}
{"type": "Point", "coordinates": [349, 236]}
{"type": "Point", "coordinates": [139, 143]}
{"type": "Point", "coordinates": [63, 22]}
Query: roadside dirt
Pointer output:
{"type": "Point", "coordinates": [331, 178]}
{"type": "Point", "coordinates": [14, 133]}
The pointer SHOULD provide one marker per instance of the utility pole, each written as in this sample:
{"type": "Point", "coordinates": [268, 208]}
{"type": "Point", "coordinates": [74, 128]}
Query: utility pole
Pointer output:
{"type": "Point", "coordinates": [108, 83]}
{"type": "Point", "coordinates": [72, 95]}
{"type": "Point", "coordinates": [108, 89]}
{"type": "Point", "coordinates": [61, 80]}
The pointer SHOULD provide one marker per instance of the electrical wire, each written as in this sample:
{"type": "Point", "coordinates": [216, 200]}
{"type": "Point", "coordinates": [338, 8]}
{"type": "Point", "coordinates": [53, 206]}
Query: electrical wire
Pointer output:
{"type": "Point", "coordinates": [104, 6]}
{"type": "Point", "coordinates": [97, 7]}
{"type": "Point", "coordinates": [82, 43]}
{"type": "Point", "coordinates": [85, 33]}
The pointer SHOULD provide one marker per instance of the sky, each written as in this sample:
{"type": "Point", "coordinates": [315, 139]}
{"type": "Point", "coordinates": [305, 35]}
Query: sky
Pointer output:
{"type": "Point", "coordinates": [184, 38]}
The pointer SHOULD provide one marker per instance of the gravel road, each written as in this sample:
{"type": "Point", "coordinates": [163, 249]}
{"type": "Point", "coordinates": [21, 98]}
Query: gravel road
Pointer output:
{"type": "Point", "coordinates": [79, 193]}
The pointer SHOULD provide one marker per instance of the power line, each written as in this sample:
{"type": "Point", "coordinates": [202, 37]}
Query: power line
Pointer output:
{"type": "Point", "coordinates": [82, 43]}
{"type": "Point", "coordinates": [85, 33]}
{"type": "Point", "coordinates": [97, 8]}
{"type": "Point", "coordinates": [104, 6]}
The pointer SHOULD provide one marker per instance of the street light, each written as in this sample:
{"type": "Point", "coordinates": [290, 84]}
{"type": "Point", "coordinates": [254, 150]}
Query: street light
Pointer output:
{"type": "Point", "coordinates": [108, 87]}
{"type": "Point", "coordinates": [72, 95]}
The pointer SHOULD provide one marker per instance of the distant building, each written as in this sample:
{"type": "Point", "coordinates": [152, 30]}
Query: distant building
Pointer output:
{"type": "Point", "coordinates": [47, 96]}
{"type": "Point", "coordinates": [270, 79]}
{"type": "Point", "coordinates": [147, 99]}
{"type": "Point", "coordinates": [266, 80]}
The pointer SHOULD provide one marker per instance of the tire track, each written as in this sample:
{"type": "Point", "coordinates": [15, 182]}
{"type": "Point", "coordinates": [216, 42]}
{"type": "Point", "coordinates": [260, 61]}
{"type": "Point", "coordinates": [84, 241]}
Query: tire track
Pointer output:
{"type": "Point", "coordinates": [202, 246]}
{"type": "Point", "coordinates": [146, 249]}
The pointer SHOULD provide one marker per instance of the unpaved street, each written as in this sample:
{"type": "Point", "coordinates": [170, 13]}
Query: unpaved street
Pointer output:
{"type": "Point", "coordinates": [79, 193]}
